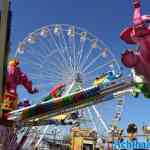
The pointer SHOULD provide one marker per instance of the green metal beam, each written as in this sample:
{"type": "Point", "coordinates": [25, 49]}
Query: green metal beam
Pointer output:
{"type": "Point", "coordinates": [3, 43]}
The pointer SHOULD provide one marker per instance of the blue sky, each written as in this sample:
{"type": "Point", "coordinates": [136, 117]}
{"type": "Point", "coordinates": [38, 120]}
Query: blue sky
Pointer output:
{"type": "Point", "coordinates": [104, 18]}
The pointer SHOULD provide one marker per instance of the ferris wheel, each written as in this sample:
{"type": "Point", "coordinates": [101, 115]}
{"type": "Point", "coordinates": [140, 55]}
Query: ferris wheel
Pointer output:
{"type": "Point", "coordinates": [65, 53]}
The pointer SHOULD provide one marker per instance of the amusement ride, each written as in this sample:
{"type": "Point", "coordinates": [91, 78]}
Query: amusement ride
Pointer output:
{"type": "Point", "coordinates": [75, 47]}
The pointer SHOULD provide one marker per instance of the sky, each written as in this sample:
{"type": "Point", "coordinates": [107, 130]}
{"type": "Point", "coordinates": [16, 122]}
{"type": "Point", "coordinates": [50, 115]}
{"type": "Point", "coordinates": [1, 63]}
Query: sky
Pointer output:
{"type": "Point", "coordinates": [104, 18]}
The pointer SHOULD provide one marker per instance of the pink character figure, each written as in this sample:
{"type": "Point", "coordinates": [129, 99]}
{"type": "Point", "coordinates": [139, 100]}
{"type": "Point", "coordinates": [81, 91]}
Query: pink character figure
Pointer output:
{"type": "Point", "coordinates": [14, 78]}
{"type": "Point", "coordinates": [139, 34]}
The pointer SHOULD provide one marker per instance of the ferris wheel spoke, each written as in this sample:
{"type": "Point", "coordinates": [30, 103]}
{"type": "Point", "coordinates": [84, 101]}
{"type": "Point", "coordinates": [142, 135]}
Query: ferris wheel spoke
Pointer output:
{"type": "Point", "coordinates": [96, 123]}
{"type": "Point", "coordinates": [68, 55]}
{"type": "Point", "coordinates": [65, 49]}
{"type": "Point", "coordinates": [53, 52]}
{"type": "Point", "coordinates": [46, 84]}
{"type": "Point", "coordinates": [72, 46]}
{"type": "Point", "coordinates": [49, 56]}
{"type": "Point", "coordinates": [56, 50]}
{"type": "Point", "coordinates": [53, 67]}
{"type": "Point", "coordinates": [63, 45]}
{"type": "Point", "coordinates": [31, 62]}
{"type": "Point", "coordinates": [51, 37]}
{"type": "Point", "coordinates": [34, 75]}
{"type": "Point", "coordinates": [100, 118]}
{"type": "Point", "coordinates": [39, 51]}
{"type": "Point", "coordinates": [44, 52]}
{"type": "Point", "coordinates": [58, 64]}
{"type": "Point", "coordinates": [43, 85]}
{"type": "Point", "coordinates": [100, 67]}
{"type": "Point", "coordinates": [59, 50]}
{"type": "Point", "coordinates": [49, 79]}
{"type": "Point", "coordinates": [82, 43]}
{"type": "Point", "coordinates": [49, 49]}
{"type": "Point", "coordinates": [39, 77]}
{"type": "Point", "coordinates": [92, 62]}
{"type": "Point", "coordinates": [62, 37]}
{"type": "Point", "coordinates": [49, 40]}
{"type": "Point", "coordinates": [86, 124]}
{"type": "Point", "coordinates": [92, 119]}
{"type": "Point", "coordinates": [38, 59]}
{"type": "Point", "coordinates": [75, 53]}
{"type": "Point", "coordinates": [62, 62]}
{"type": "Point", "coordinates": [84, 62]}
{"type": "Point", "coordinates": [45, 40]}
{"type": "Point", "coordinates": [52, 73]}
{"type": "Point", "coordinates": [67, 64]}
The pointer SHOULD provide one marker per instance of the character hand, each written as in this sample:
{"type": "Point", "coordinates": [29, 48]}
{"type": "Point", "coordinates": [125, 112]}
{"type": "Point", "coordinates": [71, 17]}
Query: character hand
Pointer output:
{"type": "Point", "coordinates": [35, 90]}
{"type": "Point", "coordinates": [136, 3]}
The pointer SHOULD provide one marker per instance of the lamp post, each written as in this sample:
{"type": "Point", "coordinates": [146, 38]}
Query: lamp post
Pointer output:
{"type": "Point", "coordinates": [4, 43]}
{"type": "Point", "coordinates": [8, 137]}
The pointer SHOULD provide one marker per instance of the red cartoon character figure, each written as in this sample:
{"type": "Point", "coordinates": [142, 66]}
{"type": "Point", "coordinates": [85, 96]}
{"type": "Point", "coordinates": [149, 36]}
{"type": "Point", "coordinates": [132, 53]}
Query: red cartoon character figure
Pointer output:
{"type": "Point", "coordinates": [15, 77]}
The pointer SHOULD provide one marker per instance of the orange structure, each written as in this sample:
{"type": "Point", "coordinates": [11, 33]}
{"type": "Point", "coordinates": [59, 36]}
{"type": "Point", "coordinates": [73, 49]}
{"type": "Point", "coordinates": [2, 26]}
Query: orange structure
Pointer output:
{"type": "Point", "coordinates": [83, 139]}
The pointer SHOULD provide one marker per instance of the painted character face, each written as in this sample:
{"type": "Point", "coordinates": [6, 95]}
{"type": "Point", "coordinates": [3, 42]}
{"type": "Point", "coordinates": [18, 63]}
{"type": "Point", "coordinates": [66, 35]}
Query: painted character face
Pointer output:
{"type": "Point", "coordinates": [11, 69]}
{"type": "Point", "coordinates": [12, 66]}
